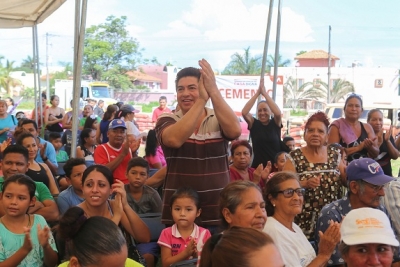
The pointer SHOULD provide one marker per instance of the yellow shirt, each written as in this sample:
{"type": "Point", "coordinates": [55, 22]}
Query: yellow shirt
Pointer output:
{"type": "Point", "coordinates": [128, 263]}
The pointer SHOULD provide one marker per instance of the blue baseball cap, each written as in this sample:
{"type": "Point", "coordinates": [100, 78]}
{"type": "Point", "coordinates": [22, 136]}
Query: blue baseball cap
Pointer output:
{"type": "Point", "coordinates": [368, 170]}
{"type": "Point", "coordinates": [117, 123]}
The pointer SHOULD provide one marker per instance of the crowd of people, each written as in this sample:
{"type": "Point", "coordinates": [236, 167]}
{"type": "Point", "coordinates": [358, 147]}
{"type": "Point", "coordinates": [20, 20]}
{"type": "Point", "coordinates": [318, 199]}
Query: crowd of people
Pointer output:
{"type": "Point", "coordinates": [223, 201]}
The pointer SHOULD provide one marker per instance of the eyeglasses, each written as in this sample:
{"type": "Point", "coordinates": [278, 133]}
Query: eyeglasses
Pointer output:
{"type": "Point", "coordinates": [375, 188]}
{"type": "Point", "coordinates": [290, 192]}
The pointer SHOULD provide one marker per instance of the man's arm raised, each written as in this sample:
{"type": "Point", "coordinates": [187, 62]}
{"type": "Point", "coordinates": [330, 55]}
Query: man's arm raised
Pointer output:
{"type": "Point", "coordinates": [226, 117]}
{"type": "Point", "coordinates": [175, 135]}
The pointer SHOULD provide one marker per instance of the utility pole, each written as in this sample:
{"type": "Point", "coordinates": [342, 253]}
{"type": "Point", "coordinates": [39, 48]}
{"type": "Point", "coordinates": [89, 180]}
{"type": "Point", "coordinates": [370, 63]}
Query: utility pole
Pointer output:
{"type": "Point", "coordinates": [47, 67]}
{"type": "Point", "coordinates": [329, 68]}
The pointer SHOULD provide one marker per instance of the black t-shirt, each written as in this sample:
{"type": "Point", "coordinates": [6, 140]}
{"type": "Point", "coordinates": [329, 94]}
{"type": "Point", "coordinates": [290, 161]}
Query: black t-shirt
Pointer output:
{"type": "Point", "coordinates": [266, 141]}
{"type": "Point", "coordinates": [383, 158]}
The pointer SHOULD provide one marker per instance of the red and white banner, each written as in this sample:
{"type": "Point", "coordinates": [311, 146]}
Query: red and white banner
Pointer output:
{"type": "Point", "coordinates": [237, 90]}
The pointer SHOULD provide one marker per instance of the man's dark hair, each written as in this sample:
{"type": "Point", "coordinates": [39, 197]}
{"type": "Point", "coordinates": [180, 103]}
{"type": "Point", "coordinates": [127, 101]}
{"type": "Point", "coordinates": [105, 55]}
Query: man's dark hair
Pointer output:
{"type": "Point", "coordinates": [162, 98]}
{"type": "Point", "coordinates": [287, 138]}
{"type": "Point", "coordinates": [187, 72]}
{"type": "Point", "coordinates": [71, 163]}
{"type": "Point", "coordinates": [17, 149]}
{"type": "Point", "coordinates": [27, 121]}
{"type": "Point", "coordinates": [138, 161]}
{"type": "Point", "coordinates": [53, 136]}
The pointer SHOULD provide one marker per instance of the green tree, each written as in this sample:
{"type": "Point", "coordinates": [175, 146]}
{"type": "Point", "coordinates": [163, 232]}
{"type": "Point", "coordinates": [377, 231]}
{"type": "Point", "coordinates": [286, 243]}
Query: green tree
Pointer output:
{"type": "Point", "coordinates": [271, 62]}
{"type": "Point", "coordinates": [292, 93]}
{"type": "Point", "coordinates": [61, 75]}
{"type": "Point", "coordinates": [339, 90]}
{"type": "Point", "coordinates": [6, 81]}
{"type": "Point", "coordinates": [243, 64]}
{"type": "Point", "coordinates": [109, 52]}
{"type": "Point", "coordinates": [28, 64]}
{"type": "Point", "coordinates": [301, 52]}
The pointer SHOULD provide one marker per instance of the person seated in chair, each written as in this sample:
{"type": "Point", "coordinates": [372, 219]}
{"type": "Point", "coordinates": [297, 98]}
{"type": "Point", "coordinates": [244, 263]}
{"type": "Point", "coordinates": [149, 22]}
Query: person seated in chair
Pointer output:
{"type": "Point", "coordinates": [143, 199]}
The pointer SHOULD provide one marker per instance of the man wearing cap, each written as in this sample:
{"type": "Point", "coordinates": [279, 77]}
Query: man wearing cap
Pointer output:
{"type": "Point", "coordinates": [365, 181]}
{"type": "Point", "coordinates": [194, 141]}
{"type": "Point", "coordinates": [368, 230]}
{"type": "Point", "coordinates": [117, 152]}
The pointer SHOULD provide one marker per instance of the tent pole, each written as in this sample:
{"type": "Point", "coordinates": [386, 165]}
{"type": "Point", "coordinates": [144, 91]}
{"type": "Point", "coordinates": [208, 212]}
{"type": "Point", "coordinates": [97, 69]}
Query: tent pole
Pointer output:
{"type": "Point", "coordinates": [278, 38]}
{"type": "Point", "coordinates": [267, 34]}
{"type": "Point", "coordinates": [38, 80]}
{"type": "Point", "coordinates": [35, 73]}
{"type": "Point", "coordinates": [80, 24]}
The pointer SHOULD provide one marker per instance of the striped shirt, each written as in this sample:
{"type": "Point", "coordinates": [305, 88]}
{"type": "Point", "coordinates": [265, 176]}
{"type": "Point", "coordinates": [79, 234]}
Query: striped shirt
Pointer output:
{"type": "Point", "coordinates": [201, 163]}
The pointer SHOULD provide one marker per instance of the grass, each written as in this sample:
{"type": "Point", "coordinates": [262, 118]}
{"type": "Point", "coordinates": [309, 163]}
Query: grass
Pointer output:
{"type": "Point", "coordinates": [148, 108]}
{"type": "Point", "coordinates": [299, 112]}
{"type": "Point", "coordinates": [26, 105]}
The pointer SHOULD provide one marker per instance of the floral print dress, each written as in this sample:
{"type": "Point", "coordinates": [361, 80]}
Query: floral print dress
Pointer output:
{"type": "Point", "coordinates": [329, 190]}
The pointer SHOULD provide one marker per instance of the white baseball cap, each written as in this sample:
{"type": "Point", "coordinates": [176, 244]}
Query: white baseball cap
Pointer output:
{"type": "Point", "coordinates": [367, 225]}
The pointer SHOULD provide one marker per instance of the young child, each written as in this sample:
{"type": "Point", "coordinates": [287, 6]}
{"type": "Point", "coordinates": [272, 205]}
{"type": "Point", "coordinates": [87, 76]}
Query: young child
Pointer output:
{"type": "Point", "coordinates": [55, 140]}
{"type": "Point", "coordinates": [61, 156]}
{"type": "Point", "coordinates": [73, 195]}
{"type": "Point", "coordinates": [289, 142]}
{"type": "Point", "coordinates": [184, 239]}
{"type": "Point", "coordinates": [26, 240]}
{"type": "Point", "coordinates": [142, 199]}
{"type": "Point", "coordinates": [280, 159]}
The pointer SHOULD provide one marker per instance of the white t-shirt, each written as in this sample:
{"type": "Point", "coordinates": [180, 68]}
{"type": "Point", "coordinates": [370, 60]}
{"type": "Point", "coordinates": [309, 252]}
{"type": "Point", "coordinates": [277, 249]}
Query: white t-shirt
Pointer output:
{"type": "Point", "coordinates": [295, 249]}
{"type": "Point", "coordinates": [132, 129]}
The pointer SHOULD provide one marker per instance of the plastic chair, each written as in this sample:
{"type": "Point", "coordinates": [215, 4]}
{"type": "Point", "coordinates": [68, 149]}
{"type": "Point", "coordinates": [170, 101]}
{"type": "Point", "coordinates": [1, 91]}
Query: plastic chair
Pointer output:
{"type": "Point", "coordinates": [60, 169]}
{"type": "Point", "coordinates": [186, 263]}
{"type": "Point", "coordinates": [153, 221]}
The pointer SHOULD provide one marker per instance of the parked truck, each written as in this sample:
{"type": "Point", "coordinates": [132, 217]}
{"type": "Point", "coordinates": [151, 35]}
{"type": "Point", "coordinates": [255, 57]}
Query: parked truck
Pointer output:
{"type": "Point", "coordinates": [89, 90]}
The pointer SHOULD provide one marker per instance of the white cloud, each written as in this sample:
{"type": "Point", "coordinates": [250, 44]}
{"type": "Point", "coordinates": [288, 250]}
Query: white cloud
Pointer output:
{"type": "Point", "coordinates": [231, 20]}
{"type": "Point", "coordinates": [179, 29]}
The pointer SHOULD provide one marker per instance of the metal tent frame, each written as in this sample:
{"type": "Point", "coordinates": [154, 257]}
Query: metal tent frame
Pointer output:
{"type": "Point", "coordinates": [30, 13]}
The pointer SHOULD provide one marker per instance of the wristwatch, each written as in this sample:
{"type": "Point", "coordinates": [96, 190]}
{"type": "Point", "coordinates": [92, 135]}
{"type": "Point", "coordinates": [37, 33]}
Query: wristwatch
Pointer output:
{"type": "Point", "coordinates": [45, 159]}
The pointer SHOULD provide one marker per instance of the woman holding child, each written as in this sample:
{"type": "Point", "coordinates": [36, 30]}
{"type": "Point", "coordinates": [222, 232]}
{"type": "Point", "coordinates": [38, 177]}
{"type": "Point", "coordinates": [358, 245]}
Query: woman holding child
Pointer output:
{"type": "Point", "coordinates": [320, 168]}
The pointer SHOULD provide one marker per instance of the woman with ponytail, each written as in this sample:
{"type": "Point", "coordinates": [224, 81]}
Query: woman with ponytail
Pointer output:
{"type": "Point", "coordinates": [95, 241]}
{"type": "Point", "coordinates": [240, 247]}
{"type": "Point", "coordinates": [127, 114]}
{"type": "Point", "coordinates": [102, 127]}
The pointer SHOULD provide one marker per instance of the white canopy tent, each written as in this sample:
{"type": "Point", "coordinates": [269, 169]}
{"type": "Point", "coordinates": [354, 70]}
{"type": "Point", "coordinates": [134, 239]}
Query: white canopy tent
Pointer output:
{"type": "Point", "coordinates": [26, 13]}
{"type": "Point", "coordinates": [29, 13]}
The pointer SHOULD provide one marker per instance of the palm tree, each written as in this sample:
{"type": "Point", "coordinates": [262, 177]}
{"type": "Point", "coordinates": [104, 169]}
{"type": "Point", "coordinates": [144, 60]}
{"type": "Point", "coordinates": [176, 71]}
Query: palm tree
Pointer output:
{"type": "Point", "coordinates": [281, 62]}
{"type": "Point", "coordinates": [292, 93]}
{"type": "Point", "coordinates": [28, 63]}
{"type": "Point", "coordinates": [243, 64]}
{"type": "Point", "coordinates": [339, 90]}
{"type": "Point", "coordinates": [6, 81]}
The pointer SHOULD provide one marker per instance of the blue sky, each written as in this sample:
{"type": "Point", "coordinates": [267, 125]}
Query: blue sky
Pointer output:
{"type": "Point", "coordinates": [183, 31]}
